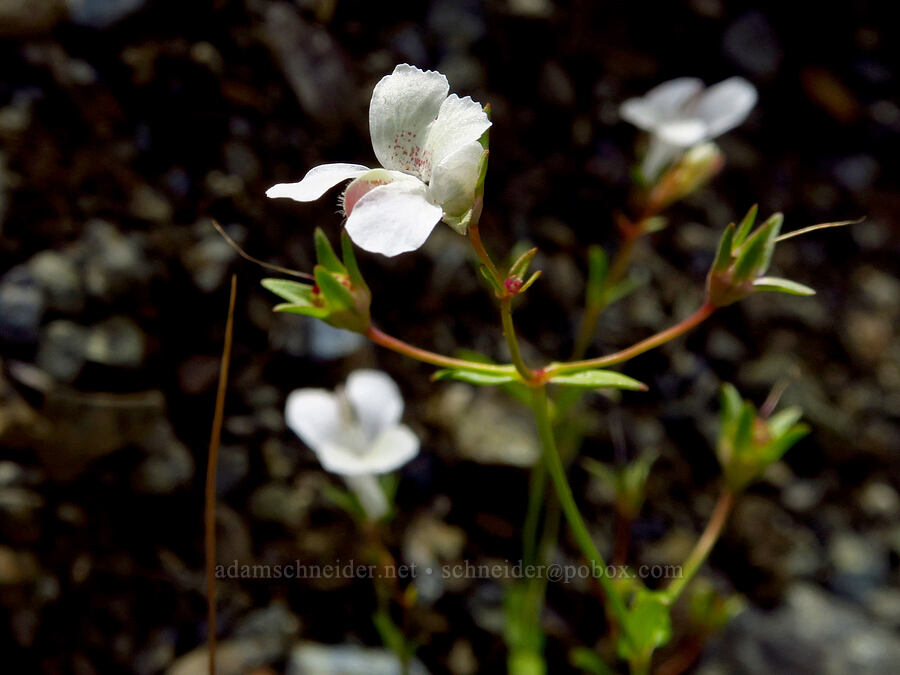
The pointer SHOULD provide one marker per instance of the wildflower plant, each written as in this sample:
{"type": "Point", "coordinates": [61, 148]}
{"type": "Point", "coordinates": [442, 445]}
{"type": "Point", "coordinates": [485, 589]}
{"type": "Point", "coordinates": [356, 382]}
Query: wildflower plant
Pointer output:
{"type": "Point", "coordinates": [432, 149]}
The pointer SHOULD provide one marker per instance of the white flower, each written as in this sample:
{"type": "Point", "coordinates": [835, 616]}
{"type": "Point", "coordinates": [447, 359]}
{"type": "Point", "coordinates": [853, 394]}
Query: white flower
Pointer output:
{"type": "Point", "coordinates": [681, 113]}
{"type": "Point", "coordinates": [427, 144]}
{"type": "Point", "coordinates": [355, 432]}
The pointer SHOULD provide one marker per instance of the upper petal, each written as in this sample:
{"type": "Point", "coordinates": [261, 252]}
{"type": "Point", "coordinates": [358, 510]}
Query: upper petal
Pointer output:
{"type": "Point", "coordinates": [669, 98]}
{"type": "Point", "coordinates": [317, 182]}
{"type": "Point", "coordinates": [726, 104]}
{"type": "Point", "coordinates": [375, 399]}
{"type": "Point", "coordinates": [393, 218]}
{"type": "Point", "coordinates": [315, 416]}
{"type": "Point", "coordinates": [403, 105]}
{"type": "Point", "coordinates": [393, 448]}
{"type": "Point", "coordinates": [460, 121]}
{"type": "Point", "coordinates": [453, 180]}
{"type": "Point", "coordinates": [664, 102]}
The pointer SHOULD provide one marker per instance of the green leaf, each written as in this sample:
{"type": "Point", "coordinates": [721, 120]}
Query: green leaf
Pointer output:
{"type": "Point", "coordinates": [743, 430]}
{"type": "Point", "coordinates": [520, 267]}
{"type": "Point", "coordinates": [305, 310]}
{"type": "Point", "coordinates": [781, 445]}
{"type": "Point", "coordinates": [654, 224]}
{"type": "Point", "coordinates": [482, 172]}
{"type": "Point", "coordinates": [292, 291]}
{"type": "Point", "coordinates": [337, 296]}
{"type": "Point", "coordinates": [731, 403]}
{"type": "Point", "coordinates": [783, 420]}
{"type": "Point", "coordinates": [625, 287]}
{"type": "Point", "coordinates": [599, 379]}
{"type": "Point", "coordinates": [325, 255]}
{"type": "Point", "coordinates": [481, 379]}
{"type": "Point", "coordinates": [779, 285]}
{"type": "Point", "coordinates": [598, 266]}
{"type": "Point", "coordinates": [755, 254]}
{"type": "Point", "coordinates": [391, 636]}
{"type": "Point", "coordinates": [589, 661]}
{"type": "Point", "coordinates": [350, 264]}
{"type": "Point", "coordinates": [745, 226]}
{"type": "Point", "coordinates": [723, 255]}
{"type": "Point", "coordinates": [534, 277]}
{"type": "Point", "coordinates": [344, 500]}
{"type": "Point", "coordinates": [491, 279]}
{"type": "Point", "coordinates": [649, 625]}
{"type": "Point", "coordinates": [601, 471]}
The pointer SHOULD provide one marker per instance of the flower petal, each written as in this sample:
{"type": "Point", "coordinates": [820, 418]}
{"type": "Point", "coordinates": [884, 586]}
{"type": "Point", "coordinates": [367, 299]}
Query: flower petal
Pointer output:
{"type": "Point", "coordinates": [403, 106]}
{"type": "Point", "coordinates": [659, 155]}
{"type": "Point", "coordinates": [460, 122]}
{"type": "Point", "coordinates": [375, 399]}
{"type": "Point", "coordinates": [453, 180]}
{"type": "Point", "coordinates": [393, 448]}
{"type": "Point", "coordinates": [370, 495]}
{"type": "Point", "coordinates": [683, 133]}
{"type": "Point", "coordinates": [370, 180]}
{"type": "Point", "coordinates": [662, 103]}
{"type": "Point", "coordinates": [670, 98]}
{"type": "Point", "coordinates": [317, 182]}
{"type": "Point", "coordinates": [393, 218]}
{"type": "Point", "coordinates": [315, 416]}
{"type": "Point", "coordinates": [726, 104]}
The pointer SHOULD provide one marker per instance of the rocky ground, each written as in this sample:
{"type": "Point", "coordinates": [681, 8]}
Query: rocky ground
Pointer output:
{"type": "Point", "coordinates": [126, 126]}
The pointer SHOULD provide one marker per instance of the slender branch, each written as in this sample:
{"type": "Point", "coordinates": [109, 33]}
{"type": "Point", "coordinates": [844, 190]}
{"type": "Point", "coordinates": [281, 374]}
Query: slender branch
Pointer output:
{"type": "Point", "coordinates": [481, 252]}
{"type": "Point", "coordinates": [209, 515]}
{"type": "Point", "coordinates": [570, 508]}
{"type": "Point", "coordinates": [395, 344]}
{"type": "Point", "coordinates": [536, 488]}
{"type": "Point", "coordinates": [682, 327]}
{"type": "Point", "coordinates": [509, 332]}
{"type": "Point", "coordinates": [703, 546]}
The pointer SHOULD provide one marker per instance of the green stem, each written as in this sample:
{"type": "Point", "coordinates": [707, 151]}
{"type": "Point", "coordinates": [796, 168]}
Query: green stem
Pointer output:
{"type": "Point", "coordinates": [569, 507]}
{"type": "Point", "coordinates": [395, 344]}
{"type": "Point", "coordinates": [703, 546]}
{"type": "Point", "coordinates": [509, 332]}
{"type": "Point", "coordinates": [536, 485]}
{"type": "Point", "coordinates": [481, 252]}
{"type": "Point", "coordinates": [682, 327]}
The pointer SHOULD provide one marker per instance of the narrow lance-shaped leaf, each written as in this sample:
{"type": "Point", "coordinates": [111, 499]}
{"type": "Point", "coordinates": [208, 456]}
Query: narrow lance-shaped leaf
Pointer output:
{"type": "Point", "coordinates": [491, 279]}
{"type": "Point", "coordinates": [599, 379]}
{"type": "Point", "coordinates": [731, 402]}
{"type": "Point", "coordinates": [305, 310]}
{"type": "Point", "coordinates": [783, 420]}
{"type": "Point", "coordinates": [520, 267]}
{"type": "Point", "coordinates": [481, 379]}
{"type": "Point", "coordinates": [745, 226]}
{"type": "Point", "coordinates": [778, 285]}
{"type": "Point", "coordinates": [325, 255]}
{"type": "Point", "coordinates": [723, 255]}
{"type": "Point", "coordinates": [534, 277]}
{"type": "Point", "coordinates": [350, 263]}
{"type": "Point", "coordinates": [755, 253]}
{"type": "Point", "coordinates": [598, 266]}
{"type": "Point", "coordinates": [337, 296]}
{"type": "Point", "coordinates": [292, 291]}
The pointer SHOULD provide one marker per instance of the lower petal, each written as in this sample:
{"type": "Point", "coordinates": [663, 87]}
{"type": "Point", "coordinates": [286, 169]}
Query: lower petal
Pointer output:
{"type": "Point", "coordinates": [393, 218]}
{"type": "Point", "coordinates": [453, 180]}
{"type": "Point", "coordinates": [317, 182]}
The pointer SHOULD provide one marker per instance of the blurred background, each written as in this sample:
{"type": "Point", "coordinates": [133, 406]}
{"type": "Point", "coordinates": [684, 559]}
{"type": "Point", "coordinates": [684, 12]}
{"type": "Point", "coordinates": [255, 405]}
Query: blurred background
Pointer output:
{"type": "Point", "coordinates": [126, 125]}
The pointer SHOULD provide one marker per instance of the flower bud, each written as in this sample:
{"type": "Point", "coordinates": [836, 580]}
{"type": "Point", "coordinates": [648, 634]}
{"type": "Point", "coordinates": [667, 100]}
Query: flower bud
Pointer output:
{"type": "Point", "coordinates": [742, 260]}
{"type": "Point", "coordinates": [695, 168]}
{"type": "Point", "coordinates": [340, 296]}
{"type": "Point", "coordinates": [748, 443]}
